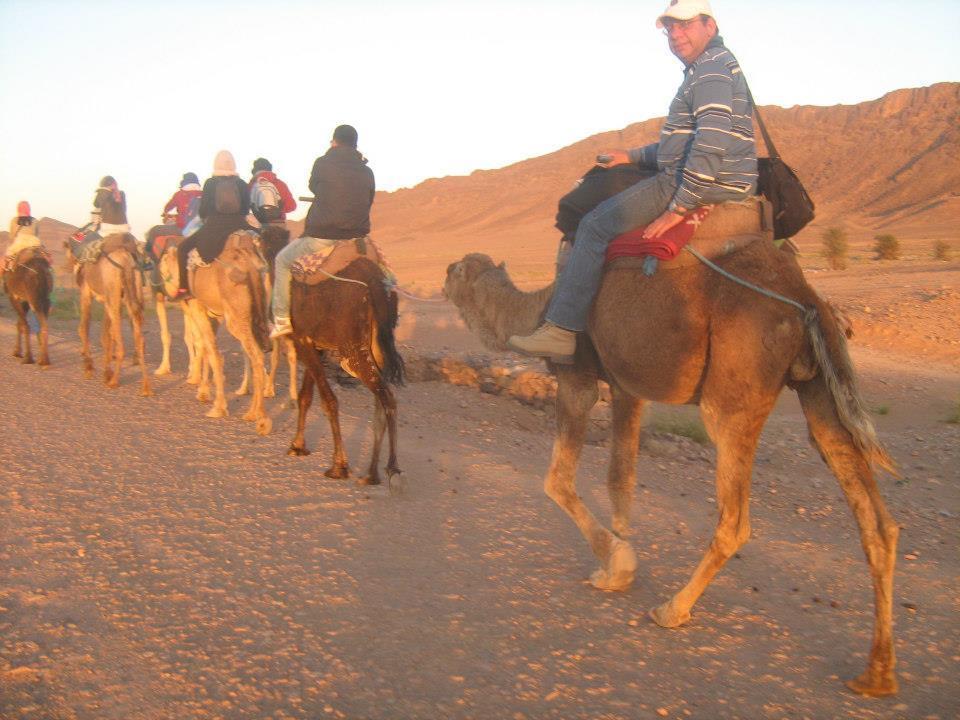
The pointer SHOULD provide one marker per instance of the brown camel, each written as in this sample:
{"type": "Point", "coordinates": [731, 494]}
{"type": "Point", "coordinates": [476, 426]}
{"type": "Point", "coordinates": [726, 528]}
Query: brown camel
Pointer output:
{"type": "Point", "coordinates": [163, 239]}
{"type": "Point", "coordinates": [113, 279]}
{"type": "Point", "coordinates": [688, 335]}
{"type": "Point", "coordinates": [29, 283]}
{"type": "Point", "coordinates": [354, 315]}
{"type": "Point", "coordinates": [230, 288]}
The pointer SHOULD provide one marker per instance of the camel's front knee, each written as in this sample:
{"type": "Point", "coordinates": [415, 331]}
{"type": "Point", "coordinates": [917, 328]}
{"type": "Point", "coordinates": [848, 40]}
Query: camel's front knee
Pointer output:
{"type": "Point", "coordinates": [728, 539]}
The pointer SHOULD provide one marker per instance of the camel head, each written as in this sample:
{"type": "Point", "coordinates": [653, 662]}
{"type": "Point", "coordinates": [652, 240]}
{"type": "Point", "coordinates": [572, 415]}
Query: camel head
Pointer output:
{"type": "Point", "coordinates": [273, 239]}
{"type": "Point", "coordinates": [488, 301]}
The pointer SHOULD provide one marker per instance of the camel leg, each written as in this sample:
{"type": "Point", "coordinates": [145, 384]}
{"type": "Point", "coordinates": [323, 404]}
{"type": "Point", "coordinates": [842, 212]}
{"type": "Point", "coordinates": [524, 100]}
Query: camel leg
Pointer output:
{"type": "Point", "coordinates": [292, 365]}
{"type": "Point", "coordinates": [622, 474]}
{"type": "Point", "coordinates": [270, 385]}
{"type": "Point", "coordinates": [164, 367]}
{"type": "Point", "coordinates": [84, 330]}
{"type": "Point", "coordinates": [253, 357]}
{"type": "Point", "coordinates": [211, 353]}
{"type": "Point", "coordinates": [42, 336]}
{"type": "Point", "coordinates": [878, 530]}
{"type": "Point", "coordinates": [736, 435]}
{"type": "Point", "coordinates": [384, 416]}
{"type": "Point", "coordinates": [576, 395]}
{"type": "Point", "coordinates": [298, 446]}
{"type": "Point", "coordinates": [339, 468]}
{"type": "Point", "coordinates": [106, 342]}
{"type": "Point", "coordinates": [135, 312]}
{"type": "Point", "coordinates": [23, 331]}
{"type": "Point", "coordinates": [191, 338]}
{"type": "Point", "coordinates": [244, 388]}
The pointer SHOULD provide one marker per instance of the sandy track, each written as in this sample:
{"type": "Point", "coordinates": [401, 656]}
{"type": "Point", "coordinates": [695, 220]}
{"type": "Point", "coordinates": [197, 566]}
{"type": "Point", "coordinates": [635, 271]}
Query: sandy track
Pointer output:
{"type": "Point", "coordinates": [159, 564]}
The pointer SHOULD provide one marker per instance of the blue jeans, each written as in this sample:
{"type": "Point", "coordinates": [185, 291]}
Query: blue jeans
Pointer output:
{"type": "Point", "coordinates": [295, 250]}
{"type": "Point", "coordinates": [579, 281]}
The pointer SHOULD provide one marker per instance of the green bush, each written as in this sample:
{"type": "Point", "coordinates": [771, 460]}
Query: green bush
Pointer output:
{"type": "Point", "coordinates": [941, 250]}
{"type": "Point", "coordinates": [886, 247]}
{"type": "Point", "coordinates": [835, 247]}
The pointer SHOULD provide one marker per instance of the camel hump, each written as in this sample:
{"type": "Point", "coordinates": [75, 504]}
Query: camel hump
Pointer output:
{"type": "Point", "coordinates": [119, 241]}
{"type": "Point", "coordinates": [37, 252]}
{"type": "Point", "coordinates": [319, 266]}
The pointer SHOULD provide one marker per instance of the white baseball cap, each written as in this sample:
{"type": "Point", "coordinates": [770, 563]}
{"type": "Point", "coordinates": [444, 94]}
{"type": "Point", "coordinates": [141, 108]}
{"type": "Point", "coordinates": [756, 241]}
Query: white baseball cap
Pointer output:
{"type": "Point", "coordinates": [684, 10]}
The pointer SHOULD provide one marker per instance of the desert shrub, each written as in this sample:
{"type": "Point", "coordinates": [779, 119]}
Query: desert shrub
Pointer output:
{"type": "Point", "coordinates": [688, 428]}
{"type": "Point", "coordinates": [887, 247]}
{"type": "Point", "coordinates": [835, 247]}
{"type": "Point", "coordinates": [941, 250]}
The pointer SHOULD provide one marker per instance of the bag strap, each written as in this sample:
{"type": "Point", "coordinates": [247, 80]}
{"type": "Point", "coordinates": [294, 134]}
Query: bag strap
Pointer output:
{"type": "Point", "coordinates": [768, 141]}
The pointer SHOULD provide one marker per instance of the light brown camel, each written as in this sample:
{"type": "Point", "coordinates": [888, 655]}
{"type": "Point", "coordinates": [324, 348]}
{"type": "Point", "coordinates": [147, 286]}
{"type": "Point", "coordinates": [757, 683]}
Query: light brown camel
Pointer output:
{"type": "Point", "coordinates": [161, 240]}
{"type": "Point", "coordinates": [29, 283]}
{"type": "Point", "coordinates": [113, 279]}
{"type": "Point", "coordinates": [690, 336]}
{"type": "Point", "coordinates": [354, 316]}
{"type": "Point", "coordinates": [230, 288]}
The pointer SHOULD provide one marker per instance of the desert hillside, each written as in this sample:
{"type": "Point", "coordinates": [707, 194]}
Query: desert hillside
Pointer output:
{"type": "Point", "coordinates": [888, 165]}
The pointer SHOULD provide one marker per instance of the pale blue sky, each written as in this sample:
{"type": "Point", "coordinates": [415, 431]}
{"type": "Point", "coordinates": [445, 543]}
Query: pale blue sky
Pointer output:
{"type": "Point", "coordinates": [147, 90]}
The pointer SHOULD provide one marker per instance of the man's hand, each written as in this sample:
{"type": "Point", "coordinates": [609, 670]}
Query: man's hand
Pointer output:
{"type": "Point", "coordinates": [616, 157]}
{"type": "Point", "coordinates": [663, 223]}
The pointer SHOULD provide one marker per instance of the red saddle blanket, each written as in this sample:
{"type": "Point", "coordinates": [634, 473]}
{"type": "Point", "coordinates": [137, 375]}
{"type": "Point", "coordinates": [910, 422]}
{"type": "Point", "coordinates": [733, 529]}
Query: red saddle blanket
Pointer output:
{"type": "Point", "coordinates": [665, 247]}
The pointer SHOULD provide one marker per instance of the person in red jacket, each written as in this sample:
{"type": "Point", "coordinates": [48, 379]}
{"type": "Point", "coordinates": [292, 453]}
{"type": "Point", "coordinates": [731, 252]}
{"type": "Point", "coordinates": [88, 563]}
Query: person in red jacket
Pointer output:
{"type": "Point", "coordinates": [267, 207]}
{"type": "Point", "coordinates": [189, 189]}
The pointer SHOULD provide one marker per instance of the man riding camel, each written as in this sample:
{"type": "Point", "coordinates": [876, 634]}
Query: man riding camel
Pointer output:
{"type": "Point", "coordinates": [343, 188]}
{"type": "Point", "coordinates": [706, 155]}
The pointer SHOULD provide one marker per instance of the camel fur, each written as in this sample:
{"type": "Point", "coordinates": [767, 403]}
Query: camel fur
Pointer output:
{"type": "Point", "coordinates": [356, 317]}
{"type": "Point", "coordinates": [230, 289]}
{"type": "Point", "coordinates": [690, 336]}
{"type": "Point", "coordinates": [112, 280]}
{"type": "Point", "coordinates": [29, 284]}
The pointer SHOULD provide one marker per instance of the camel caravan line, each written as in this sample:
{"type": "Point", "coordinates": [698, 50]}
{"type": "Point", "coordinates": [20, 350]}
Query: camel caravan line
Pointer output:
{"type": "Point", "coordinates": [725, 326]}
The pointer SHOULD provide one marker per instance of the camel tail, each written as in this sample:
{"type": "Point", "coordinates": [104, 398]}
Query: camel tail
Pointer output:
{"type": "Point", "coordinates": [258, 308]}
{"type": "Point", "coordinates": [385, 314]}
{"type": "Point", "coordinates": [128, 279]}
{"type": "Point", "coordinates": [830, 352]}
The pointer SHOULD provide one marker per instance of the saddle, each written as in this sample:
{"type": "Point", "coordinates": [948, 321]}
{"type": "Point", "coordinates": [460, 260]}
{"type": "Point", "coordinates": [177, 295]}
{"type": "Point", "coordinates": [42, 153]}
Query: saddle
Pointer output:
{"type": "Point", "coordinates": [160, 238]}
{"type": "Point", "coordinates": [90, 250]}
{"type": "Point", "coordinates": [313, 269]}
{"type": "Point", "coordinates": [239, 241]}
{"type": "Point", "coordinates": [724, 230]}
{"type": "Point", "coordinates": [11, 262]}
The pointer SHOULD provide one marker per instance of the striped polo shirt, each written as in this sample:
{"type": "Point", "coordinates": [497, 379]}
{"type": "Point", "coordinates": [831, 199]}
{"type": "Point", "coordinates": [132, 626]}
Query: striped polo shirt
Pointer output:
{"type": "Point", "coordinates": [707, 140]}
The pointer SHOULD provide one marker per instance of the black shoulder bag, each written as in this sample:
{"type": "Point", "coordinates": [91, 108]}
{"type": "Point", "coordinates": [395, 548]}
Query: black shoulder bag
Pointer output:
{"type": "Point", "coordinates": [792, 207]}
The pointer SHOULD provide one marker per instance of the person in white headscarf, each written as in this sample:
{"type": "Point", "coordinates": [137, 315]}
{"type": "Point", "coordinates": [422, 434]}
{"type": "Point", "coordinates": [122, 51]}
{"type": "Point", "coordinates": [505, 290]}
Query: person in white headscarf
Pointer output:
{"type": "Point", "coordinates": [223, 209]}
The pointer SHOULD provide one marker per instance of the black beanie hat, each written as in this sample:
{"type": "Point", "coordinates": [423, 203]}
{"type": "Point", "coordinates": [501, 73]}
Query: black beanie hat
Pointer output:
{"type": "Point", "coordinates": [261, 164]}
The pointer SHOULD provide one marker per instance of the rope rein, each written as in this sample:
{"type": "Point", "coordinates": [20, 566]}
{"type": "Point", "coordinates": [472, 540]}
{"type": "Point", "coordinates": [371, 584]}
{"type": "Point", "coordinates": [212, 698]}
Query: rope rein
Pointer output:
{"type": "Point", "coordinates": [809, 313]}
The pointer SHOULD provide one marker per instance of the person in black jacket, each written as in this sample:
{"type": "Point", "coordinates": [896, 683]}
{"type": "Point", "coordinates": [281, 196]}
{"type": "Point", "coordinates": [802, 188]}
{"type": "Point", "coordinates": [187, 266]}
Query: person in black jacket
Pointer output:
{"type": "Point", "coordinates": [343, 188]}
{"type": "Point", "coordinates": [223, 208]}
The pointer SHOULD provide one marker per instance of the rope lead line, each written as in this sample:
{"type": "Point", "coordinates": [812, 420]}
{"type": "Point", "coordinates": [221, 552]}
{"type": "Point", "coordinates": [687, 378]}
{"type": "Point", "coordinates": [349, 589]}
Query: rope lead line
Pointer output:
{"type": "Point", "coordinates": [809, 313]}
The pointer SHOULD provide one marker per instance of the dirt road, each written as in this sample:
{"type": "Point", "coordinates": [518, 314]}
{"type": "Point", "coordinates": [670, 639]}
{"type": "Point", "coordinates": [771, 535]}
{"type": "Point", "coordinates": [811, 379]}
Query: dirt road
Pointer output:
{"type": "Point", "coordinates": [158, 564]}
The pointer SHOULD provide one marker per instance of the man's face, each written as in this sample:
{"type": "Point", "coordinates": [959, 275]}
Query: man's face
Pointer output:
{"type": "Point", "coordinates": [689, 38]}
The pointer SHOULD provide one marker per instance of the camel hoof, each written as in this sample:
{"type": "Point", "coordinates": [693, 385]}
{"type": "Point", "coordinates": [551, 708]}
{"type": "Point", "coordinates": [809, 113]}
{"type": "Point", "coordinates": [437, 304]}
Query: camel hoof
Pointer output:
{"type": "Point", "coordinates": [27, 361]}
{"type": "Point", "coordinates": [393, 470]}
{"type": "Point", "coordinates": [299, 451]}
{"type": "Point", "coordinates": [88, 374]}
{"type": "Point", "coordinates": [264, 426]}
{"type": "Point", "coordinates": [203, 396]}
{"type": "Point", "coordinates": [338, 472]}
{"type": "Point", "coordinates": [17, 353]}
{"type": "Point", "coordinates": [161, 371]}
{"type": "Point", "coordinates": [218, 413]}
{"type": "Point", "coordinates": [874, 685]}
{"type": "Point", "coordinates": [147, 391]}
{"type": "Point", "coordinates": [269, 392]}
{"type": "Point", "coordinates": [114, 383]}
{"type": "Point", "coordinates": [44, 363]}
{"type": "Point", "coordinates": [621, 566]}
{"type": "Point", "coordinates": [665, 617]}
{"type": "Point", "coordinates": [369, 480]}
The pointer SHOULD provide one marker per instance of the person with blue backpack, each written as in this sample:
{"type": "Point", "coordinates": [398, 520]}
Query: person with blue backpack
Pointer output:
{"type": "Point", "coordinates": [270, 198]}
